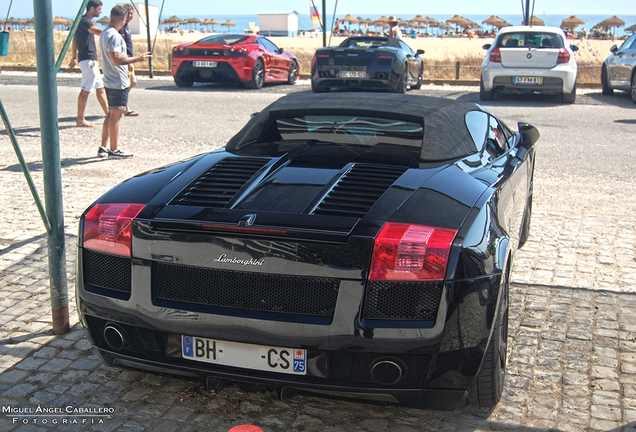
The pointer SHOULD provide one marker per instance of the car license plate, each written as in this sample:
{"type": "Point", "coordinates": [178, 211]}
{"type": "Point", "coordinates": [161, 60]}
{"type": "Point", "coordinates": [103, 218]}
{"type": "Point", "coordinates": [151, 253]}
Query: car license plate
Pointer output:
{"type": "Point", "coordinates": [528, 80]}
{"type": "Point", "coordinates": [259, 357]}
{"type": "Point", "coordinates": [353, 74]}
{"type": "Point", "coordinates": [197, 63]}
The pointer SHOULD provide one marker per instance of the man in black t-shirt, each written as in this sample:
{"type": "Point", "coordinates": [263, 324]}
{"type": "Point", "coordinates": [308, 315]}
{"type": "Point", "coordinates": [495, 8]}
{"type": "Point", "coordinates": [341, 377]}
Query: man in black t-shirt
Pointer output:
{"type": "Point", "coordinates": [85, 55]}
{"type": "Point", "coordinates": [127, 35]}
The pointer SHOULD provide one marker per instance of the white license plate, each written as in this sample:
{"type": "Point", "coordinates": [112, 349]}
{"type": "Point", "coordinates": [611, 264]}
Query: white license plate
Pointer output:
{"type": "Point", "coordinates": [259, 357]}
{"type": "Point", "coordinates": [197, 63]}
{"type": "Point", "coordinates": [352, 74]}
{"type": "Point", "coordinates": [528, 80]}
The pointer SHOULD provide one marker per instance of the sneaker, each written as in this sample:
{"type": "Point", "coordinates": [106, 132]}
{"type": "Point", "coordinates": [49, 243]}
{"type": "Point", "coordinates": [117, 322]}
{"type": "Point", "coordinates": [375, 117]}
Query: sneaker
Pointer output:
{"type": "Point", "coordinates": [119, 153]}
{"type": "Point", "coordinates": [102, 152]}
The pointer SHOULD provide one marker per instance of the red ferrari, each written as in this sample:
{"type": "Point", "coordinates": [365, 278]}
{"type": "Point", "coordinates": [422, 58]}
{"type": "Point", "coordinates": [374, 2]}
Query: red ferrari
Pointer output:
{"type": "Point", "coordinates": [233, 58]}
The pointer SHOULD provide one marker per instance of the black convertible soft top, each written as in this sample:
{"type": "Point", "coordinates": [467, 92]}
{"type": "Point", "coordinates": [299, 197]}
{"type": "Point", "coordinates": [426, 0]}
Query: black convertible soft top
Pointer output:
{"type": "Point", "coordinates": [445, 133]}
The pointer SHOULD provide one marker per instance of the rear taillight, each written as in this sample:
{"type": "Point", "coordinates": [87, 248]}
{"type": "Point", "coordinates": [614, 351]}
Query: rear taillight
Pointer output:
{"type": "Point", "coordinates": [411, 252]}
{"type": "Point", "coordinates": [495, 55]}
{"type": "Point", "coordinates": [564, 56]}
{"type": "Point", "coordinates": [108, 228]}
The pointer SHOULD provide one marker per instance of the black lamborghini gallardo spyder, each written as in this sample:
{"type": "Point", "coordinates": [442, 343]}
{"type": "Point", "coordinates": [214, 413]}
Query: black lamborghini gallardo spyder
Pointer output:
{"type": "Point", "coordinates": [331, 247]}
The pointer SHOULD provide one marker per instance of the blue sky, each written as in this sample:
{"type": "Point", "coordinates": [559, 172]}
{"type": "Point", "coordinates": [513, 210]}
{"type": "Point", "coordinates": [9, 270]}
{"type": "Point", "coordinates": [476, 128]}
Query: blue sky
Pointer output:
{"type": "Point", "coordinates": [69, 8]}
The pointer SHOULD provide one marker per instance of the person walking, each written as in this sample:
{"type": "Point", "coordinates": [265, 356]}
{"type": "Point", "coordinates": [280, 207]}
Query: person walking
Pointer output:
{"type": "Point", "coordinates": [85, 55]}
{"type": "Point", "coordinates": [115, 63]}
{"type": "Point", "coordinates": [127, 35]}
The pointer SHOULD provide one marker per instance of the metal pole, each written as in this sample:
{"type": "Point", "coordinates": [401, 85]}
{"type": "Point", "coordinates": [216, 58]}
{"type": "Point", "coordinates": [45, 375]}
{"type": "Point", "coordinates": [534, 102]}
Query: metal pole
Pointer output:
{"type": "Point", "coordinates": [526, 17]}
{"type": "Point", "coordinates": [324, 23]}
{"type": "Point", "coordinates": [51, 166]}
{"type": "Point", "coordinates": [149, 45]}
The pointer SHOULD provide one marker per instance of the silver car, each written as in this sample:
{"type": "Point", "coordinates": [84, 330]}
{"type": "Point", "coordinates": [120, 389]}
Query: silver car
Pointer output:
{"type": "Point", "coordinates": [529, 59]}
{"type": "Point", "coordinates": [619, 69]}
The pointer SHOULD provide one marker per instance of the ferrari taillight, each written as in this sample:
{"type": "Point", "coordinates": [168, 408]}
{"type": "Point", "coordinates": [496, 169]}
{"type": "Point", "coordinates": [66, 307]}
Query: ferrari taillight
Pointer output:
{"type": "Point", "coordinates": [564, 56]}
{"type": "Point", "coordinates": [108, 228]}
{"type": "Point", "coordinates": [411, 252]}
{"type": "Point", "coordinates": [495, 55]}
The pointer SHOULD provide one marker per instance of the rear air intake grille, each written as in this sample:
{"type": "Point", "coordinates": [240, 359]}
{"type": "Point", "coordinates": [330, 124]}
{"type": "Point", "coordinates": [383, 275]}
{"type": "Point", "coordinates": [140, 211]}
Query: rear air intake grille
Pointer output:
{"type": "Point", "coordinates": [220, 183]}
{"type": "Point", "coordinates": [357, 191]}
{"type": "Point", "coordinates": [106, 272]}
{"type": "Point", "coordinates": [416, 301]}
{"type": "Point", "coordinates": [239, 290]}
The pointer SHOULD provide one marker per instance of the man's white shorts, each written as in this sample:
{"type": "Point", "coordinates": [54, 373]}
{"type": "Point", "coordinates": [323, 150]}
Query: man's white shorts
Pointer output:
{"type": "Point", "coordinates": [91, 78]}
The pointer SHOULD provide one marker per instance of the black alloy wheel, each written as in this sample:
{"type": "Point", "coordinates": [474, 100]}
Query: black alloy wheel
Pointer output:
{"type": "Point", "coordinates": [258, 76]}
{"type": "Point", "coordinates": [605, 86]}
{"type": "Point", "coordinates": [293, 73]}
{"type": "Point", "coordinates": [489, 383]}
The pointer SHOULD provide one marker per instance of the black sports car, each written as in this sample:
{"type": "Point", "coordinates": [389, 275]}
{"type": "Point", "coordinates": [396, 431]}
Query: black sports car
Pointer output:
{"type": "Point", "coordinates": [367, 62]}
{"type": "Point", "coordinates": [351, 251]}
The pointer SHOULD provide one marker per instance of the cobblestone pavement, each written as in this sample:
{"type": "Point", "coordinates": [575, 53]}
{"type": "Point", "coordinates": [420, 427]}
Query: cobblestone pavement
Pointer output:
{"type": "Point", "coordinates": [572, 347]}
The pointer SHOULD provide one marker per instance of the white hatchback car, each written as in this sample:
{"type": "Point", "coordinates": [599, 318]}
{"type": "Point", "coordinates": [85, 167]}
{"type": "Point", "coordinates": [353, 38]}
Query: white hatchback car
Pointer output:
{"type": "Point", "coordinates": [529, 59]}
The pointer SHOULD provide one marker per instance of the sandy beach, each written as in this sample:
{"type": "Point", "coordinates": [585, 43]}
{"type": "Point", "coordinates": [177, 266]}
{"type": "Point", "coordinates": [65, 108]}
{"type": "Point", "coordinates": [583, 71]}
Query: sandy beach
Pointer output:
{"type": "Point", "coordinates": [441, 53]}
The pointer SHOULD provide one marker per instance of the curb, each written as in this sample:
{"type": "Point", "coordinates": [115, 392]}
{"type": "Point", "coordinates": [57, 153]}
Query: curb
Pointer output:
{"type": "Point", "coordinates": [146, 72]}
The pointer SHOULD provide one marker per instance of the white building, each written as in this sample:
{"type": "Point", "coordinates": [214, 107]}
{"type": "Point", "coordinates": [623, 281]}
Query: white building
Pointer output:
{"type": "Point", "coordinates": [138, 23]}
{"type": "Point", "coordinates": [278, 24]}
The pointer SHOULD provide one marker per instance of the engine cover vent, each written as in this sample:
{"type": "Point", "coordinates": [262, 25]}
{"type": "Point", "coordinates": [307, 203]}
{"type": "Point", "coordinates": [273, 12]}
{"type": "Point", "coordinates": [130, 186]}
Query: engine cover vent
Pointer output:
{"type": "Point", "coordinates": [358, 190]}
{"type": "Point", "coordinates": [219, 184]}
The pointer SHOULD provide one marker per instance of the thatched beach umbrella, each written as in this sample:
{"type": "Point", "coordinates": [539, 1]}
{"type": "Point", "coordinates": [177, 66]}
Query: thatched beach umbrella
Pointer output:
{"type": "Point", "coordinates": [571, 23]}
{"type": "Point", "coordinates": [458, 21]}
{"type": "Point", "coordinates": [173, 20]}
{"type": "Point", "coordinates": [228, 23]}
{"type": "Point", "coordinates": [349, 19]}
{"type": "Point", "coordinates": [612, 22]}
{"type": "Point", "coordinates": [631, 29]}
{"type": "Point", "coordinates": [105, 20]}
{"type": "Point", "coordinates": [535, 21]}
{"type": "Point", "coordinates": [493, 21]}
{"type": "Point", "coordinates": [192, 21]}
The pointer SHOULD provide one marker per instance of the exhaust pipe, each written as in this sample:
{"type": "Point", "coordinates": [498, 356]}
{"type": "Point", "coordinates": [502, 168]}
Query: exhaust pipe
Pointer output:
{"type": "Point", "coordinates": [324, 74]}
{"type": "Point", "coordinates": [387, 370]}
{"type": "Point", "coordinates": [115, 336]}
{"type": "Point", "coordinates": [381, 76]}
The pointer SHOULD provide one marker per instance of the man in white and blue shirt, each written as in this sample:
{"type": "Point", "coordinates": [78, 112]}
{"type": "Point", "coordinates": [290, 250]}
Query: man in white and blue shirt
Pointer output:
{"type": "Point", "coordinates": [115, 63]}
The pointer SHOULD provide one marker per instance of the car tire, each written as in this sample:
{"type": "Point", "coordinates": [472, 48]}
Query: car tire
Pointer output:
{"type": "Point", "coordinates": [258, 76]}
{"type": "Point", "coordinates": [401, 84]}
{"type": "Point", "coordinates": [605, 86]}
{"type": "Point", "coordinates": [182, 83]}
{"type": "Point", "coordinates": [317, 89]}
{"type": "Point", "coordinates": [293, 73]}
{"type": "Point", "coordinates": [489, 382]}
{"type": "Point", "coordinates": [419, 82]}
{"type": "Point", "coordinates": [633, 90]}
{"type": "Point", "coordinates": [525, 228]}
{"type": "Point", "coordinates": [483, 94]}
{"type": "Point", "coordinates": [569, 98]}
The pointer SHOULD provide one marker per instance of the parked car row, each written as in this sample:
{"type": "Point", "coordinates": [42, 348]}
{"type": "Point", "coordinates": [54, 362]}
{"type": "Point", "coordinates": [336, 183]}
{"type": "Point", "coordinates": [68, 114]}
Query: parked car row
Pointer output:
{"type": "Point", "coordinates": [522, 59]}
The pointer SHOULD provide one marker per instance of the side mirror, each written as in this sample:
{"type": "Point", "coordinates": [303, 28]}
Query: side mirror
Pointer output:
{"type": "Point", "coordinates": [574, 48]}
{"type": "Point", "coordinates": [280, 50]}
{"type": "Point", "coordinates": [613, 49]}
{"type": "Point", "coordinates": [419, 52]}
{"type": "Point", "coordinates": [487, 46]}
{"type": "Point", "coordinates": [529, 134]}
